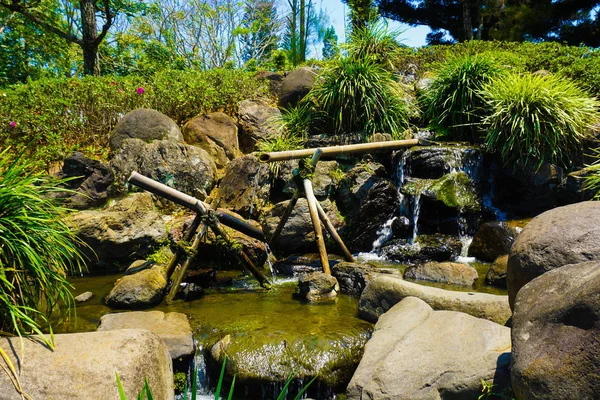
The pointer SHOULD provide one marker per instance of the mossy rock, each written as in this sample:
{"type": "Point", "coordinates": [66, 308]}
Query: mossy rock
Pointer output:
{"type": "Point", "coordinates": [455, 190]}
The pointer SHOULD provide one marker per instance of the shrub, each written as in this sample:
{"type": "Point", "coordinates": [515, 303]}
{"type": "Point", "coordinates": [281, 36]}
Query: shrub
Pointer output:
{"type": "Point", "coordinates": [536, 118]}
{"type": "Point", "coordinates": [37, 249]}
{"type": "Point", "coordinates": [64, 115]}
{"type": "Point", "coordinates": [453, 103]}
{"type": "Point", "coordinates": [356, 95]}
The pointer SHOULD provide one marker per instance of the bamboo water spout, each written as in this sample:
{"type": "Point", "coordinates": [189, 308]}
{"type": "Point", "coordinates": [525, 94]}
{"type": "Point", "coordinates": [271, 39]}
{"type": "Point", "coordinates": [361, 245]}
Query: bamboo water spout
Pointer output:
{"type": "Point", "coordinates": [191, 202]}
{"type": "Point", "coordinates": [346, 149]}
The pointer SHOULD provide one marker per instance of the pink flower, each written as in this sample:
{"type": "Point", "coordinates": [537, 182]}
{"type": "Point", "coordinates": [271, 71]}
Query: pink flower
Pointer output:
{"type": "Point", "coordinates": [140, 90]}
{"type": "Point", "coordinates": [13, 124]}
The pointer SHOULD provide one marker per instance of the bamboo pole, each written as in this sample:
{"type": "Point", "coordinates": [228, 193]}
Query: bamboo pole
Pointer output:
{"type": "Point", "coordinates": [293, 201]}
{"type": "Point", "coordinates": [336, 238]}
{"type": "Point", "coordinates": [346, 149]}
{"type": "Point", "coordinates": [186, 238]}
{"type": "Point", "coordinates": [314, 216]}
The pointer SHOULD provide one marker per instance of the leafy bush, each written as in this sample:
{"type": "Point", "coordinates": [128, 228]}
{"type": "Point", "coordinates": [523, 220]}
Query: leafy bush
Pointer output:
{"type": "Point", "coordinates": [78, 114]}
{"type": "Point", "coordinates": [359, 95]}
{"type": "Point", "coordinates": [536, 118]}
{"type": "Point", "coordinates": [453, 103]}
{"type": "Point", "coordinates": [37, 249]}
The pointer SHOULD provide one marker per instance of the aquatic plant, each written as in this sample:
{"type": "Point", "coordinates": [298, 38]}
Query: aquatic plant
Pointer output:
{"type": "Point", "coordinates": [537, 118]}
{"type": "Point", "coordinates": [454, 104]}
{"type": "Point", "coordinates": [37, 249]}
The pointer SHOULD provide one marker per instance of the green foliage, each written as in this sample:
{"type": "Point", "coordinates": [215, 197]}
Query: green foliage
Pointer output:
{"type": "Point", "coordinates": [453, 103]}
{"type": "Point", "coordinates": [330, 46]}
{"type": "Point", "coordinates": [489, 392]}
{"type": "Point", "coordinates": [78, 114]}
{"type": "Point", "coordinates": [362, 13]}
{"type": "Point", "coordinates": [37, 249]}
{"type": "Point", "coordinates": [374, 42]}
{"type": "Point", "coordinates": [592, 176]}
{"type": "Point", "coordinates": [537, 118]}
{"type": "Point", "coordinates": [358, 95]}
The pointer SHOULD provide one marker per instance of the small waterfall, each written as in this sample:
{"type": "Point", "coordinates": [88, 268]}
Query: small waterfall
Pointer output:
{"type": "Point", "coordinates": [269, 263]}
{"type": "Point", "coordinates": [384, 233]}
{"type": "Point", "coordinates": [415, 217]}
{"type": "Point", "coordinates": [465, 238]}
{"type": "Point", "coordinates": [203, 391]}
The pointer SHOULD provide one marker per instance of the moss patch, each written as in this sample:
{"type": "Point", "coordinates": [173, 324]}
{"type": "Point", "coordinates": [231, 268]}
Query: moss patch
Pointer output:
{"type": "Point", "coordinates": [455, 190]}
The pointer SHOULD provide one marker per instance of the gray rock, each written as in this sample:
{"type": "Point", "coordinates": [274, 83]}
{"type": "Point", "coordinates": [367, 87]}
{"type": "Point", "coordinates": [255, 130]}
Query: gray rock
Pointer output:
{"type": "Point", "coordinates": [257, 122]}
{"type": "Point", "coordinates": [186, 168]}
{"type": "Point", "coordinates": [144, 124]}
{"type": "Point", "coordinates": [573, 190]}
{"type": "Point", "coordinates": [137, 266]}
{"type": "Point", "coordinates": [83, 366]}
{"type": "Point", "coordinates": [317, 286]}
{"type": "Point", "coordinates": [417, 353]}
{"type": "Point", "coordinates": [492, 240]}
{"type": "Point", "coordinates": [383, 292]}
{"type": "Point", "coordinates": [296, 85]}
{"type": "Point", "coordinates": [354, 187]}
{"type": "Point", "coordinates": [496, 275]}
{"type": "Point", "coordinates": [564, 235]}
{"type": "Point", "coordinates": [83, 297]}
{"type": "Point", "coordinates": [443, 272]}
{"type": "Point", "coordinates": [380, 205]}
{"type": "Point", "coordinates": [354, 277]}
{"type": "Point", "coordinates": [275, 80]}
{"type": "Point", "coordinates": [173, 328]}
{"type": "Point", "coordinates": [89, 180]}
{"type": "Point", "coordinates": [127, 229]}
{"type": "Point", "coordinates": [427, 248]}
{"type": "Point", "coordinates": [140, 290]}
{"type": "Point", "coordinates": [216, 133]}
{"type": "Point", "coordinates": [245, 187]}
{"type": "Point", "coordinates": [433, 162]}
{"type": "Point", "coordinates": [324, 179]}
{"type": "Point", "coordinates": [298, 235]}
{"type": "Point", "coordinates": [556, 335]}
{"type": "Point", "coordinates": [303, 264]}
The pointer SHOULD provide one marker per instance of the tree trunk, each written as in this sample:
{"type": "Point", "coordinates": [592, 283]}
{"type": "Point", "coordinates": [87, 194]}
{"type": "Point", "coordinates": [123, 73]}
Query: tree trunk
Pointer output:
{"type": "Point", "coordinates": [303, 31]}
{"type": "Point", "coordinates": [468, 26]}
{"type": "Point", "coordinates": [89, 38]}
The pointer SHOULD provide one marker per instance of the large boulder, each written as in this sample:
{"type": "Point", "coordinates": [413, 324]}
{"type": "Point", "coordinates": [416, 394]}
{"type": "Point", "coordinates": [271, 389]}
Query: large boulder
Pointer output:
{"type": "Point", "coordinates": [443, 272]}
{"type": "Point", "coordinates": [353, 277]}
{"type": "Point", "coordinates": [274, 79]}
{"type": "Point", "coordinates": [245, 187]}
{"type": "Point", "coordinates": [128, 229]}
{"type": "Point", "coordinates": [379, 207]}
{"type": "Point", "coordinates": [417, 353]}
{"type": "Point", "coordinates": [433, 162]}
{"type": "Point", "coordinates": [383, 292]}
{"type": "Point", "coordinates": [83, 366]}
{"type": "Point", "coordinates": [257, 120]}
{"type": "Point", "coordinates": [425, 248]}
{"type": "Point", "coordinates": [492, 240]}
{"type": "Point", "coordinates": [295, 86]}
{"type": "Point", "coordinates": [298, 235]}
{"type": "Point", "coordinates": [173, 328]}
{"type": "Point", "coordinates": [140, 290]}
{"type": "Point", "coordinates": [216, 133]}
{"type": "Point", "coordinates": [90, 182]}
{"type": "Point", "coordinates": [186, 168]}
{"type": "Point", "coordinates": [354, 187]}
{"type": "Point", "coordinates": [564, 235]}
{"type": "Point", "coordinates": [556, 335]}
{"type": "Point", "coordinates": [144, 124]}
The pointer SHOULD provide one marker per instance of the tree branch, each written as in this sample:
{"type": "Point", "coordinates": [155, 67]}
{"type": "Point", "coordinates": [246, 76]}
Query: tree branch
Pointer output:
{"type": "Point", "coordinates": [107, 23]}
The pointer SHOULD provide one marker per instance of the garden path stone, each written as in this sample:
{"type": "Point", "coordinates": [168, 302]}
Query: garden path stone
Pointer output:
{"type": "Point", "coordinates": [83, 366]}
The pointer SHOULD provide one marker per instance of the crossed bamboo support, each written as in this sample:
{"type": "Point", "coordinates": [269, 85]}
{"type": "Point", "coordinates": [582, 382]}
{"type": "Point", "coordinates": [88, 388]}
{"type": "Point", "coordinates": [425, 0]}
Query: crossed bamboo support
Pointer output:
{"type": "Point", "coordinates": [317, 216]}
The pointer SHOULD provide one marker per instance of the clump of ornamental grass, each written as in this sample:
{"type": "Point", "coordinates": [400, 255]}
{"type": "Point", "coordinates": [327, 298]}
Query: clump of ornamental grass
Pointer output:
{"type": "Point", "coordinates": [453, 103]}
{"type": "Point", "coordinates": [536, 118]}
{"type": "Point", "coordinates": [37, 250]}
{"type": "Point", "coordinates": [359, 95]}
{"type": "Point", "coordinates": [375, 42]}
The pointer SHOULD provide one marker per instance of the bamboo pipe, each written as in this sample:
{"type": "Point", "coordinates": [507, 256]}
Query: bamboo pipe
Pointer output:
{"type": "Point", "coordinates": [190, 202]}
{"type": "Point", "coordinates": [346, 149]}
{"type": "Point", "coordinates": [334, 235]}
{"type": "Point", "coordinates": [314, 216]}
{"type": "Point", "coordinates": [186, 238]}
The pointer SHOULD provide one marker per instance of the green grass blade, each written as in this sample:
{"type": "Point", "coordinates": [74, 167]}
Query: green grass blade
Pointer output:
{"type": "Point", "coordinates": [304, 389]}
{"type": "Point", "coordinates": [122, 395]}
{"type": "Point", "coordinates": [220, 383]}
{"type": "Point", "coordinates": [231, 388]}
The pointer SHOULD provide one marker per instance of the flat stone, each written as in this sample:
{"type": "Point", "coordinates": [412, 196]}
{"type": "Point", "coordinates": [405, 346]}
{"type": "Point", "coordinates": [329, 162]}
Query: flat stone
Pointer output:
{"type": "Point", "coordinates": [173, 328]}
{"type": "Point", "coordinates": [443, 272]}
{"type": "Point", "coordinates": [383, 292]}
{"type": "Point", "coordinates": [83, 297]}
{"type": "Point", "coordinates": [83, 366]}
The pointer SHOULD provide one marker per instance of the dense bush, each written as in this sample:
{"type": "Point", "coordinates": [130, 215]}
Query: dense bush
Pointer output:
{"type": "Point", "coordinates": [579, 63]}
{"type": "Point", "coordinates": [536, 118]}
{"type": "Point", "coordinates": [453, 103]}
{"type": "Point", "coordinates": [359, 95]}
{"type": "Point", "coordinates": [63, 115]}
{"type": "Point", "coordinates": [37, 249]}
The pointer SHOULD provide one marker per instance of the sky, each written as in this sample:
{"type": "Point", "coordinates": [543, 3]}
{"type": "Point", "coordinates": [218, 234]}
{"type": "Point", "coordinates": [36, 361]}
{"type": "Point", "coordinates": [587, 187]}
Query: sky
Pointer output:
{"type": "Point", "coordinates": [411, 36]}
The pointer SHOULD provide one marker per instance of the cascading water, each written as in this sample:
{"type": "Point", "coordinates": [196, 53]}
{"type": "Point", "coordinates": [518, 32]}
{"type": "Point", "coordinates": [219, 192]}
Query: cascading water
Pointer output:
{"type": "Point", "coordinates": [268, 261]}
{"type": "Point", "coordinates": [203, 391]}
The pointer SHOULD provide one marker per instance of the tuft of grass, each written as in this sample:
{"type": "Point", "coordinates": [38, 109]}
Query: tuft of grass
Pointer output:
{"type": "Point", "coordinates": [537, 118]}
{"type": "Point", "coordinates": [374, 42]}
{"type": "Point", "coordinates": [454, 104]}
{"type": "Point", "coordinates": [37, 250]}
{"type": "Point", "coordinates": [359, 95]}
